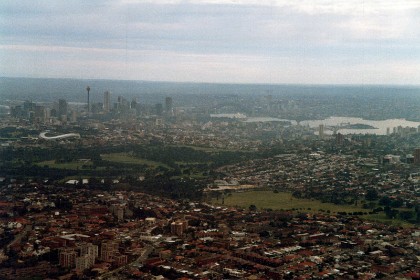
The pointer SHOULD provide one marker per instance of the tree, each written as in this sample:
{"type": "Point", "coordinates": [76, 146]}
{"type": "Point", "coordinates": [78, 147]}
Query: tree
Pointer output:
{"type": "Point", "coordinates": [371, 195]}
{"type": "Point", "coordinates": [385, 201]}
{"type": "Point", "coordinates": [390, 213]}
{"type": "Point", "coordinates": [406, 215]}
{"type": "Point", "coordinates": [264, 234]}
{"type": "Point", "coordinates": [297, 194]}
{"type": "Point", "coordinates": [396, 203]}
{"type": "Point", "coordinates": [93, 182]}
{"type": "Point", "coordinates": [252, 208]}
{"type": "Point", "coordinates": [417, 210]}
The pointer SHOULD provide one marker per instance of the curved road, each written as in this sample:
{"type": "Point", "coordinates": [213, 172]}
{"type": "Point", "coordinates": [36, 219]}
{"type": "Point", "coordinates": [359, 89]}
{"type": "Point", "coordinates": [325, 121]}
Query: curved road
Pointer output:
{"type": "Point", "coordinates": [62, 136]}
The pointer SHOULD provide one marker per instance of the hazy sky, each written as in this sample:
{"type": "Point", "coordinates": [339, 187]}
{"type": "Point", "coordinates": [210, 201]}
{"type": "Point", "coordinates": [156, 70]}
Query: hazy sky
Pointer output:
{"type": "Point", "coordinates": [238, 41]}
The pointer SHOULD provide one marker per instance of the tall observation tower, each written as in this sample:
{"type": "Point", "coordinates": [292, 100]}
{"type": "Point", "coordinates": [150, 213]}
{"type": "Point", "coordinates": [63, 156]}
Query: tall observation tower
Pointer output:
{"type": "Point", "coordinates": [88, 103]}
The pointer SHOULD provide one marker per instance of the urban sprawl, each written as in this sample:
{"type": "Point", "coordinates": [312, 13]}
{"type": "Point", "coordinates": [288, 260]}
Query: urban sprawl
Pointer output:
{"type": "Point", "coordinates": [126, 190]}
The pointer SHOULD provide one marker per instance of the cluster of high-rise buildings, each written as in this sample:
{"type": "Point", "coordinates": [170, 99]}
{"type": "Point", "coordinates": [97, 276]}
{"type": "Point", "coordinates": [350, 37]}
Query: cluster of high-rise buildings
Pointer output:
{"type": "Point", "coordinates": [82, 258]}
{"type": "Point", "coordinates": [36, 113]}
{"type": "Point", "coordinates": [84, 254]}
{"type": "Point", "coordinates": [403, 131]}
{"type": "Point", "coordinates": [63, 112]}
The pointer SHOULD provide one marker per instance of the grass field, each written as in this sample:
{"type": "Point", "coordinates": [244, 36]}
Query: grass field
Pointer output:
{"type": "Point", "coordinates": [381, 217]}
{"type": "Point", "coordinates": [74, 165]}
{"type": "Point", "coordinates": [129, 159]}
{"type": "Point", "coordinates": [283, 200]}
{"type": "Point", "coordinates": [206, 149]}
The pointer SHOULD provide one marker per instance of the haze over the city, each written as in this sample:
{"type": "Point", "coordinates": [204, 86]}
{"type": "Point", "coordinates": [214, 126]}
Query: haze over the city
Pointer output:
{"type": "Point", "coordinates": [304, 42]}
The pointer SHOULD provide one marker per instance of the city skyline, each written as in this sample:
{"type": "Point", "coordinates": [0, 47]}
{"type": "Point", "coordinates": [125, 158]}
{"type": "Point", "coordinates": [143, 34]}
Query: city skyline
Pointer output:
{"type": "Point", "coordinates": [309, 42]}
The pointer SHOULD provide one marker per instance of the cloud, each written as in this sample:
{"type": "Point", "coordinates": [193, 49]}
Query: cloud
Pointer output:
{"type": "Point", "coordinates": [245, 39]}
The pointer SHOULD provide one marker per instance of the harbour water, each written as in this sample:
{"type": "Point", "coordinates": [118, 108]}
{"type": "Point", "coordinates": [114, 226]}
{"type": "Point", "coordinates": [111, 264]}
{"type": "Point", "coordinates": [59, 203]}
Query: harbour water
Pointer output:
{"type": "Point", "coordinates": [343, 125]}
{"type": "Point", "coordinates": [380, 126]}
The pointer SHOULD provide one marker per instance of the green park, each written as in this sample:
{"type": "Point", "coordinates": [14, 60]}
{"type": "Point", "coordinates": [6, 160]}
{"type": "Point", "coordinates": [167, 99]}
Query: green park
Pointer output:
{"type": "Point", "coordinates": [273, 200]}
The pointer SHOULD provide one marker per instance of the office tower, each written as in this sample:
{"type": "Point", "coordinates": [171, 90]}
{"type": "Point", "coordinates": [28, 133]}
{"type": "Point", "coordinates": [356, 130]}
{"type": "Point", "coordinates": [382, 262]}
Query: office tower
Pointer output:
{"type": "Point", "coordinates": [88, 101]}
{"type": "Point", "coordinates": [73, 116]}
{"type": "Point", "coordinates": [39, 113]}
{"type": "Point", "coordinates": [269, 101]}
{"type": "Point", "coordinates": [31, 116]}
{"type": "Point", "coordinates": [123, 105]}
{"type": "Point", "coordinates": [159, 109]}
{"type": "Point", "coordinates": [417, 156]}
{"type": "Point", "coordinates": [321, 130]}
{"type": "Point", "coordinates": [47, 114]}
{"type": "Point", "coordinates": [339, 139]}
{"type": "Point", "coordinates": [53, 113]}
{"type": "Point", "coordinates": [168, 106]}
{"type": "Point", "coordinates": [133, 104]}
{"type": "Point", "coordinates": [107, 101]}
{"type": "Point", "coordinates": [62, 109]}
{"type": "Point", "coordinates": [28, 106]}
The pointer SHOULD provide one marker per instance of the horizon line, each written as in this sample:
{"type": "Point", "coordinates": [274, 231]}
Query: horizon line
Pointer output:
{"type": "Point", "coordinates": [216, 83]}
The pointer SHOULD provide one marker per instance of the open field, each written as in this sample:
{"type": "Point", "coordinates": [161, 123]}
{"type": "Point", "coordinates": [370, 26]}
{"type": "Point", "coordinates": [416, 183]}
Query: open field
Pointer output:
{"type": "Point", "coordinates": [128, 159]}
{"type": "Point", "coordinates": [381, 217]}
{"type": "Point", "coordinates": [74, 165]}
{"type": "Point", "coordinates": [197, 176]}
{"type": "Point", "coordinates": [285, 201]}
{"type": "Point", "coordinates": [206, 149]}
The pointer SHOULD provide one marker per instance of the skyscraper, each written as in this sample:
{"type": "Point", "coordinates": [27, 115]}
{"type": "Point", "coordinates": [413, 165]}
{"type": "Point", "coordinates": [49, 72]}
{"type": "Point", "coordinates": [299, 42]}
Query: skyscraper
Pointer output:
{"type": "Point", "coordinates": [62, 109]}
{"type": "Point", "coordinates": [321, 130]}
{"type": "Point", "coordinates": [159, 109]}
{"type": "Point", "coordinates": [39, 113]}
{"type": "Point", "coordinates": [168, 106]}
{"type": "Point", "coordinates": [133, 104]}
{"type": "Point", "coordinates": [107, 101]}
{"type": "Point", "coordinates": [417, 156]}
{"type": "Point", "coordinates": [88, 101]}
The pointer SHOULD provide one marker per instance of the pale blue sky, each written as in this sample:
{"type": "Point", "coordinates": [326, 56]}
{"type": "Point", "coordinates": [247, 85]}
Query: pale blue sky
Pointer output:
{"type": "Point", "coordinates": [306, 41]}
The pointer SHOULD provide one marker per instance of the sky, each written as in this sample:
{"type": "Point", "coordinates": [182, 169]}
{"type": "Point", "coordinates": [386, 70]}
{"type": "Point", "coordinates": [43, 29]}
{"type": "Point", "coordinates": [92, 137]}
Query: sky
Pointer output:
{"type": "Point", "coordinates": [220, 41]}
